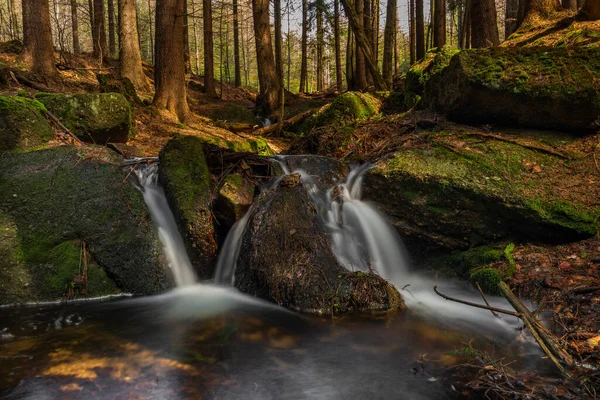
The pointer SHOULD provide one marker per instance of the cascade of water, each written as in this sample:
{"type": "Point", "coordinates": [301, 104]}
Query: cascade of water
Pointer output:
{"type": "Point", "coordinates": [161, 214]}
{"type": "Point", "coordinates": [227, 261]}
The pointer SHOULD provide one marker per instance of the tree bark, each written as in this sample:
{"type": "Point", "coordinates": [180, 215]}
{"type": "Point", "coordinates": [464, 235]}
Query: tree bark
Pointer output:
{"type": "Point", "coordinates": [236, 46]}
{"type": "Point", "coordinates": [389, 41]}
{"type": "Point", "coordinates": [278, 41]}
{"type": "Point", "coordinates": [350, 61]}
{"type": "Point", "coordinates": [37, 39]}
{"type": "Point", "coordinates": [360, 70]}
{"type": "Point", "coordinates": [320, 46]}
{"type": "Point", "coordinates": [186, 39]}
{"type": "Point", "coordinates": [570, 5]}
{"type": "Point", "coordinates": [510, 17]}
{"type": "Point", "coordinates": [338, 51]}
{"type": "Point", "coordinates": [412, 32]}
{"type": "Point", "coordinates": [439, 23]}
{"type": "Point", "coordinates": [209, 58]}
{"type": "Point", "coordinates": [375, 29]}
{"type": "Point", "coordinates": [536, 8]}
{"type": "Point", "coordinates": [112, 41]}
{"type": "Point", "coordinates": [75, 27]}
{"type": "Point", "coordinates": [419, 30]}
{"type": "Point", "coordinates": [100, 47]}
{"type": "Point", "coordinates": [304, 62]}
{"type": "Point", "coordinates": [484, 26]}
{"type": "Point", "coordinates": [590, 11]}
{"type": "Point", "coordinates": [169, 68]}
{"type": "Point", "coordinates": [130, 58]}
{"type": "Point", "coordinates": [268, 98]}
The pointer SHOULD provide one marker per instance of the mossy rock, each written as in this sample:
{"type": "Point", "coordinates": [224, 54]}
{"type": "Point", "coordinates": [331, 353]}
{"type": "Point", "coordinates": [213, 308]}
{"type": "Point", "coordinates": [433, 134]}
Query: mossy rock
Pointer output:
{"type": "Point", "coordinates": [286, 258]}
{"type": "Point", "coordinates": [95, 118]}
{"type": "Point", "coordinates": [546, 88]}
{"type": "Point", "coordinates": [257, 145]}
{"type": "Point", "coordinates": [186, 180]}
{"type": "Point", "coordinates": [483, 195]}
{"type": "Point", "coordinates": [488, 279]}
{"type": "Point", "coordinates": [347, 108]}
{"type": "Point", "coordinates": [234, 199]}
{"type": "Point", "coordinates": [110, 84]}
{"type": "Point", "coordinates": [54, 200]}
{"type": "Point", "coordinates": [23, 124]}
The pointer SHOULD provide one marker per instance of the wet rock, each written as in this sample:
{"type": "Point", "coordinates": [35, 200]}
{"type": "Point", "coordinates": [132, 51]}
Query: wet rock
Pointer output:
{"type": "Point", "coordinates": [94, 118]}
{"type": "Point", "coordinates": [22, 123]}
{"type": "Point", "coordinates": [235, 198]}
{"type": "Point", "coordinates": [324, 171]}
{"type": "Point", "coordinates": [286, 258]}
{"type": "Point", "coordinates": [186, 180]}
{"type": "Point", "coordinates": [54, 202]}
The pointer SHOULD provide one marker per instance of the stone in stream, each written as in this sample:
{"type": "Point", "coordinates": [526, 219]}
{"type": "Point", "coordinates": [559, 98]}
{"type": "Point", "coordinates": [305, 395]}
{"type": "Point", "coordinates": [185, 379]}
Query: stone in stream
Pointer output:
{"type": "Point", "coordinates": [23, 124]}
{"type": "Point", "coordinates": [55, 200]}
{"type": "Point", "coordinates": [286, 258]}
{"type": "Point", "coordinates": [94, 118]}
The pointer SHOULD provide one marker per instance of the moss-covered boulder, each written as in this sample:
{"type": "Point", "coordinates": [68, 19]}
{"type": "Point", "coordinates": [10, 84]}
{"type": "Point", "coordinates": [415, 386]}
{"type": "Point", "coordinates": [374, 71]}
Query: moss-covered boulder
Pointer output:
{"type": "Point", "coordinates": [185, 177]}
{"type": "Point", "coordinates": [256, 145]}
{"type": "Point", "coordinates": [95, 118]}
{"type": "Point", "coordinates": [347, 108]}
{"type": "Point", "coordinates": [22, 123]}
{"type": "Point", "coordinates": [234, 199]}
{"type": "Point", "coordinates": [460, 192]}
{"type": "Point", "coordinates": [286, 258]}
{"type": "Point", "coordinates": [554, 88]}
{"type": "Point", "coordinates": [70, 225]}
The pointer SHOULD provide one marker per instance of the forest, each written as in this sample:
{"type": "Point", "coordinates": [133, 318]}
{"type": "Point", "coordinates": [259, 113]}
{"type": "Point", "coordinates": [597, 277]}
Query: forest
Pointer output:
{"type": "Point", "coordinates": [267, 199]}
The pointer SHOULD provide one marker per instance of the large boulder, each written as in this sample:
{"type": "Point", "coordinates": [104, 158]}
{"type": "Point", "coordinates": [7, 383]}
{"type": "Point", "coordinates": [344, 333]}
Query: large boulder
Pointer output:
{"type": "Point", "coordinates": [22, 123]}
{"type": "Point", "coordinates": [286, 258]}
{"type": "Point", "coordinates": [186, 179]}
{"type": "Point", "coordinates": [92, 117]}
{"type": "Point", "coordinates": [554, 88]}
{"type": "Point", "coordinates": [70, 224]}
{"type": "Point", "coordinates": [461, 191]}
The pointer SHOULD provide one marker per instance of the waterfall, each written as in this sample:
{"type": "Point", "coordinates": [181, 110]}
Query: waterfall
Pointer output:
{"type": "Point", "coordinates": [163, 218]}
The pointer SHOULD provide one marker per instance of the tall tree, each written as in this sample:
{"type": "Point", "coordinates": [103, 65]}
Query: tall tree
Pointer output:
{"type": "Point", "coordinates": [590, 11]}
{"type": "Point", "coordinates": [375, 29]}
{"type": "Point", "coordinates": [360, 70]}
{"type": "Point", "coordinates": [209, 59]}
{"type": "Point", "coordinates": [100, 47]}
{"type": "Point", "coordinates": [412, 32]}
{"type": "Point", "coordinates": [236, 45]}
{"type": "Point", "coordinates": [269, 93]}
{"type": "Point", "coordinates": [484, 26]}
{"type": "Point", "coordinates": [112, 41]}
{"type": "Point", "coordinates": [439, 23]}
{"type": "Point", "coordinates": [570, 5]}
{"type": "Point", "coordinates": [37, 38]}
{"type": "Point", "coordinates": [531, 9]}
{"type": "Point", "coordinates": [510, 17]}
{"type": "Point", "coordinates": [186, 39]}
{"type": "Point", "coordinates": [320, 45]}
{"type": "Point", "coordinates": [389, 41]}
{"type": "Point", "coordinates": [419, 30]}
{"type": "Point", "coordinates": [130, 59]}
{"type": "Point", "coordinates": [304, 50]}
{"type": "Point", "coordinates": [75, 27]}
{"type": "Point", "coordinates": [338, 51]}
{"type": "Point", "coordinates": [169, 68]}
{"type": "Point", "coordinates": [278, 41]}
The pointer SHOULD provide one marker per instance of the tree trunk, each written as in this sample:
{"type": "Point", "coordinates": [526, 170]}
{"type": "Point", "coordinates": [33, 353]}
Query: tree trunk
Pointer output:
{"type": "Point", "coordinates": [419, 30]}
{"type": "Point", "coordinates": [360, 70]}
{"type": "Point", "coordinates": [570, 5]}
{"type": "Point", "coordinates": [236, 45]}
{"type": "Point", "coordinates": [130, 59]}
{"type": "Point", "coordinates": [92, 21]}
{"type": "Point", "coordinates": [112, 41]}
{"type": "Point", "coordinates": [267, 100]}
{"type": "Point", "coordinates": [350, 61]}
{"type": "Point", "coordinates": [338, 51]}
{"type": "Point", "coordinates": [169, 68]}
{"type": "Point", "coordinates": [439, 23]}
{"type": "Point", "coordinates": [375, 30]}
{"type": "Point", "coordinates": [536, 9]}
{"type": "Point", "coordinates": [320, 45]}
{"type": "Point", "coordinates": [510, 17]}
{"type": "Point", "coordinates": [37, 38]}
{"type": "Point", "coordinates": [580, 3]}
{"type": "Point", "coordinates": [389, 41]}
{"type": "Point", "coordinates": [484, 27]}
{"type": "Point", "coordinates": [368, 27]}
{"type": "Point", "coordinates": [304, 62]}
{"type": "Point", "coordinates": [412, 32]}
{"type": "Point", "coordinates": [209, 58]}
{"type": "Point", "coordinates": [186, 39]}
{"type": "Point", "coordinates": [590, 11]}
{"type": "Point", "coordinates": [363, 43]}
{"type": "Point", "coordinates": [100, 47]}
{"type": "Point", "coordinates": [278, 41]}
{"type": "Point", "coordinates": [75, 27]}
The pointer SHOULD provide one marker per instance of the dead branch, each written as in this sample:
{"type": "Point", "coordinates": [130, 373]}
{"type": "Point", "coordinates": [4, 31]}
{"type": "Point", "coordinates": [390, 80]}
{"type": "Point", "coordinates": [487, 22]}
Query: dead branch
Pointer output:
{"type": "Point", "coordinates": [468, 303]}
{"type": "Point", "coordinates": [64, 128]}
{"type": "Point", "coordinates": [519, 143]}
{"type": "Point", "coordinates": [288, 122]}
{"type": "Point", "coordinates": [486, 302]}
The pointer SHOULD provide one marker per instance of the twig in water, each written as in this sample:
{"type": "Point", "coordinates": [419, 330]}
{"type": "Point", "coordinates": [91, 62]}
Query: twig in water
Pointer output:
{"type": "Point", "coordinates": [514, 314]}
{"type": "Point", "coordinates": [486, 302]}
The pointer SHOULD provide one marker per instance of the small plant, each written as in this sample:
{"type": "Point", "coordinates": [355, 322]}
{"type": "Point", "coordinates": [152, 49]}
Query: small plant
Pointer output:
{"type": "Point", "coordinates": [512, 266]}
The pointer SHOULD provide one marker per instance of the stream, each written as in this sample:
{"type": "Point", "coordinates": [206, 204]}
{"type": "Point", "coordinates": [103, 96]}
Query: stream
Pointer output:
{"type": "Point", "coordinates": [208, 340]}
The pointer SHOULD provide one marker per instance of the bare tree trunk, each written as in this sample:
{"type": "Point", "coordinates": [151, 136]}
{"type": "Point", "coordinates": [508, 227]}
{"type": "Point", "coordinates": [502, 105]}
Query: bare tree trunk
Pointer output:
{"type": "Point", "coordinates": [350, 61]}
{"type": "Point", "coordinates": [13, 19]}
{"type": "Point", "coordinates": [112, 41]}
{"type": "Point", "coordinates": [236, 45]}
{"type": "Point", "coordinates": [269, 94]}
{"type": "Point", "coordinates": [536, 8]}
{"type": "Point", "coordinates": [360, 70]}
{"type": "Point", "coordinates": [484, 26]}
{"type": "Point", "coordinates": [278, 41]}
{"type": "Point", "coordinates": [439, 23]}
{"type": "Point", "coordinates": [209, 59]}
{"type": "Point", "coordinates": [375, 29]}
{"type": "Point", "coordinates": [186, 39]}
{"type": "Point", "coordinates": [419, 30]}
{"type": "Point", "coordinates": [304, 62]}
{"type": "Point", "coordinates": [130, 59]}
{"type": "Point", "coordinates": [580, 3]}
{"type": "Point", "coordinates": [338, 51]}
{"type": "Point", "coordinates": [389, 41]}
{"type": "Point", "coordinates": [37, 38]}
{"type": "Point", "coordinates": [320, 45]}
{"type": "Point", "coordinates": [510, 17]}
{"type": "Point", "coordinates": [151, 36]}
{"type": "Point", "coordinates": [412, 32]}
{"type": "Point", "coordinates": [94, 33]}
{"type": "Point", "coordinates": [75, 27]}
{"type": "Point", "coordinates": [368, 27]}
{"type": "Point", "coordinates": [590, 11]}
{"type": "Point", "coordinates": [100, 47]}
{"type": "Point", "coordinates": [570, 5]}
{"type": "Point", "coordinates": [169, 69]}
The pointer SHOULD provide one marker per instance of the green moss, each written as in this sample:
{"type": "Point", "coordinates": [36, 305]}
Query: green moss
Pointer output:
{"type": "Point", "coordinates": [23, 124]}
{"type": "Point", "coordinates": [488, 279]}
{"type": "Point", "coordinates": [512, 266]}
{"type": "Point", "coordinates": [257, 145]}
{"type": "Point", "coordinates": [463, 261]}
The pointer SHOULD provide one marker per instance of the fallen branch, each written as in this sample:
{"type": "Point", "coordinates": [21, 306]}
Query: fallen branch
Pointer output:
{"type": "Point", "coordinates": [519, 143]}
{"type": "Point", "coordinates": [468, 303]}
{"type": "Point", "coordinates": [486, 302]}
{"type": "Point", "coordinates": [57, 122]}
{"type": "Point", "coordinates": [288, 122]}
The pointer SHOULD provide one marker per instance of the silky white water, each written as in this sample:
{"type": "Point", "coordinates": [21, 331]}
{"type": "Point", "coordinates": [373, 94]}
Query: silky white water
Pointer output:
{"type": "Point", "coordinates": [163, 218]}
